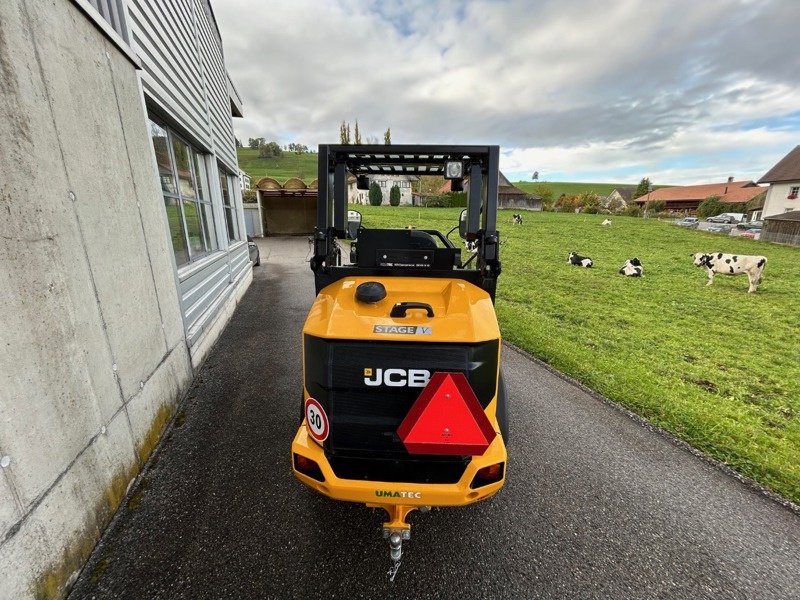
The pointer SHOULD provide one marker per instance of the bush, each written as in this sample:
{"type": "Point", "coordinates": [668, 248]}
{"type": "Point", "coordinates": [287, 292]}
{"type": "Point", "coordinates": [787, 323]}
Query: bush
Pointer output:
{"type": "Point", "coordinates": [375, 194]}
{"type": "Point", "coordinates": [394, 196]}
{"type": "Point", "coordinates": [632, 210]}
{"type": "Point", "coordinates": [448, 200]}
{"type": "Point", "coordinates": [457, 199]}
{"type": "Point", "coordinates": [656, 206]}
{"type": "Point", "coordinates": [270, 150]}
{"type": "Point", "coordinates": [249, 196]}
{"type": "Point", "coordinates": [710, 207]}
{"type": "Point", "coordinates": [590, 210]}
{"type": "Point", "coordinates": [437, 201]}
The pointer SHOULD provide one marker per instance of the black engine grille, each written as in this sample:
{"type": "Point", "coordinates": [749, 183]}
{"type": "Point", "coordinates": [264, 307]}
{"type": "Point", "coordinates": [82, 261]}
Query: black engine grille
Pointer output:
{"type": "Point", "coordinates": [363, 443]}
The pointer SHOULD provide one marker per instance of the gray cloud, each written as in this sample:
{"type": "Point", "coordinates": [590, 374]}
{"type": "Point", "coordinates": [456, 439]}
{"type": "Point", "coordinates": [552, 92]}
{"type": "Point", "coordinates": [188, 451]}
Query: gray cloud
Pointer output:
{"type": "Point", "coordinates": [634, 74]}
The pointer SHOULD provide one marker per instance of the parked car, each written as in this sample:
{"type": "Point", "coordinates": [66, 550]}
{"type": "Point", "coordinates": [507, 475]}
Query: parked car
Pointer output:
{"type": "Point", "coordinates": [255, 254]}
{"type": "Point", "coordinates": [750, 225]}
{"type": "Point", "coordinates": [720, 228]}
{"type": "Point", "coordinates": [729, 218]}
{"type": "Point", "coordinates": [691, 222]}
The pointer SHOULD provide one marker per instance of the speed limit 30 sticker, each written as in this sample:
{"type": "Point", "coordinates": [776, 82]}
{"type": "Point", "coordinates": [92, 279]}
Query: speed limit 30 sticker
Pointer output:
{"type": "Point", "coordinates": [317, 420]}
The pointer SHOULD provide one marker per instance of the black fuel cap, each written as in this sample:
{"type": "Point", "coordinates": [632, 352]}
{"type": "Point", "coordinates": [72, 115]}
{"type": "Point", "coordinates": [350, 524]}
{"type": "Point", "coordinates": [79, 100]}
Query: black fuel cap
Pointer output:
{"type": "Point", "coordinates": [370, 292]}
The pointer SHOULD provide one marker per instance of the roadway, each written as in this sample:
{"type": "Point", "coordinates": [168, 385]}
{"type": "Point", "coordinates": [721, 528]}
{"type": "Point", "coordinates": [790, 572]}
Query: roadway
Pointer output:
{"type": "Point", "coordinates": [596, 505]}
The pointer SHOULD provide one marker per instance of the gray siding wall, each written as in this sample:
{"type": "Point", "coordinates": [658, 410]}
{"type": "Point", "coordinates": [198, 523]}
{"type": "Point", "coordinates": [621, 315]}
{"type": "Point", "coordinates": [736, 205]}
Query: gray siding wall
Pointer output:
{"type": "Point", "coordinates": [184, 78]}
{"type": "Point", "coordinates": [183, 71]}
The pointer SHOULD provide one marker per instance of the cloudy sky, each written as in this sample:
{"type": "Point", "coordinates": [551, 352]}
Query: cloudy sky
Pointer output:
{"type": "Point", "coordinates": [578, 90]}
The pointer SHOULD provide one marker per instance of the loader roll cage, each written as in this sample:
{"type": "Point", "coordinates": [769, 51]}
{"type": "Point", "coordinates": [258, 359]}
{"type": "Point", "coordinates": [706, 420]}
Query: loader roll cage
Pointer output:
{"type": "Point", "coordinates": [400, 252]}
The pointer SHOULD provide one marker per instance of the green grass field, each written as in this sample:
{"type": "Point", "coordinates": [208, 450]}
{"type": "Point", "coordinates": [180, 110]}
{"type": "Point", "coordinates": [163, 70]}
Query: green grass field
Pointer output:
{"type": "Point", "coordinates": [303, 166]}
{"type": "Point", "coordinates": [716, 366]}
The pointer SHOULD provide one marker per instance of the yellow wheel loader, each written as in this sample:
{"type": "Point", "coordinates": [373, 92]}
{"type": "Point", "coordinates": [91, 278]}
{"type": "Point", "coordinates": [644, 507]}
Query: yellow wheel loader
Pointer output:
{"type": "Point", "coordinates": [403, 404]}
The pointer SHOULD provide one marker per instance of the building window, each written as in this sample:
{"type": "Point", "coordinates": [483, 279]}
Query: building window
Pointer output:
{"type": "Point", "coordinates": [794, 191]}
{"type": "Point", "coordinates": [187, 199]}
{"type": "Point", "coordinates": [228, 204]}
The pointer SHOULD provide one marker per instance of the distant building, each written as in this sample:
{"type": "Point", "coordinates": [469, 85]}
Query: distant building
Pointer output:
{"type": "Point", "coordinates": [688, 197]}
{"type": "Point", "coordinates": [623, 196]}
{"type": "Point", "coordinates": [386, 183]}
{"type": "Point", "coordinates": [244, 181]}
{"type": "Point", "coordinates": [784, 185]}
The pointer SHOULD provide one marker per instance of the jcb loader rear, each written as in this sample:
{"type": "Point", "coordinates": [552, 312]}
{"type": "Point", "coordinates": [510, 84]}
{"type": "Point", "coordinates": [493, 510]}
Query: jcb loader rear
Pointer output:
{"type": "Point", "coordinates": [404, 405]}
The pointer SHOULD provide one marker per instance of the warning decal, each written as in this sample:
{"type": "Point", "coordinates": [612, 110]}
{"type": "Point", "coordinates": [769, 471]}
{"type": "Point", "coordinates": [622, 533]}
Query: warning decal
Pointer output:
{"type": "Point", "coordinates": [316, 420]}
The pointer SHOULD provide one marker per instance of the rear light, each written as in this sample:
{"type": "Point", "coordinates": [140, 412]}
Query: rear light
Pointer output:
{"type": "Point", "coordinates": [308, 467]}
{"type": "Point", "coordinates": [487, 475]}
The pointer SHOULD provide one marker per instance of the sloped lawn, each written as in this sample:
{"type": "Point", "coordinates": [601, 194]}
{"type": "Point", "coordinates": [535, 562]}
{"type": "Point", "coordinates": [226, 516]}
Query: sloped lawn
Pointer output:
{"type": "Point", "coordinates": [716, 366]}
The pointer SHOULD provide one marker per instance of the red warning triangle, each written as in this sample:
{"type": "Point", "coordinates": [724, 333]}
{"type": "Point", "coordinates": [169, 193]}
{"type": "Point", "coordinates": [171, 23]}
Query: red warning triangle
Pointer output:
{"type": "Point", "coordinates": [447, 419]}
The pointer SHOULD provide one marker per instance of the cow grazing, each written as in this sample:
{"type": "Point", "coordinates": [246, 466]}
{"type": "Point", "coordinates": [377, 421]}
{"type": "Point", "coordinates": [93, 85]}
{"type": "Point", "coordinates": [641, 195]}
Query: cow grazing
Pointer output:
{"type": "Point", "coordinates": [732, 264]}
{"type": "Point", "coordinates": [632, 268]}
{"type": "Point", "coordinates": [579, 261]}
{"type": "Point", "coordinates": [606, 222]}
{"type": "Point", "coordinates": [471, 246]}
{"type": "Point", "coordinates": [516, 219]}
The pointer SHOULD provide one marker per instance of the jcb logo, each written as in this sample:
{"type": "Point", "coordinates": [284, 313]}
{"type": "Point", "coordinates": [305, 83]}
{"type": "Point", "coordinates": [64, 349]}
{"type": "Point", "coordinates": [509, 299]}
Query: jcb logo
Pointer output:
{"type": "Point", "coordinates": [397, 377]}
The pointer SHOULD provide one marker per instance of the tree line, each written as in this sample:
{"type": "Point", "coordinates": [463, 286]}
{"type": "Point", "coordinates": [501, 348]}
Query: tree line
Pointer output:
{"type": "Point", "coordinates": [345, 138]}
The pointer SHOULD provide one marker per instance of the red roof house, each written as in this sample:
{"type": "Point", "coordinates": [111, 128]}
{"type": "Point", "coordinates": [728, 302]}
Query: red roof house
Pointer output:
{"type": "Point", "coordinates": [689, 197]}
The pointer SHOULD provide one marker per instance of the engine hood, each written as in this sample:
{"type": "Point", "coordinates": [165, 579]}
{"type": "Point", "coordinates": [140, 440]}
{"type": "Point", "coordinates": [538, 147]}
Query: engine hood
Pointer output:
{"type": "Point", "coordinates": [462, 312]}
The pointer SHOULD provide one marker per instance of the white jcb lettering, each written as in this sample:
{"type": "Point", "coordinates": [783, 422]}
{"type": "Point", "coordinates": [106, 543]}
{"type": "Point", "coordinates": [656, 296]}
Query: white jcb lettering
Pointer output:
{"type": "Point", "coordinates": [397, 377]}
{"type": "Point", "coordinates": [378, 377]}
{"type": "Point", "coordinates": [387, 377]}
{"type": "Point", "coordinates": [418, 377]}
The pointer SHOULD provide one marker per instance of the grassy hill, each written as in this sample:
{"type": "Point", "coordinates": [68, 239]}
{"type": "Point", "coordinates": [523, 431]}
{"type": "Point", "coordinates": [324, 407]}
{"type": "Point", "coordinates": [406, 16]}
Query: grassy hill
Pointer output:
{"type": "Point", "coordinates": [303, 166]}
{"type": "Point", "coordinates": [571, 188]}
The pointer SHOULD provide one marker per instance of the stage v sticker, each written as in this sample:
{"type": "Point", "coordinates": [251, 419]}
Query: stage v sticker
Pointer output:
{"type": "Point", "coordinates": [403, 329]}
{"type": "Point", "coordinates": [317, 420]}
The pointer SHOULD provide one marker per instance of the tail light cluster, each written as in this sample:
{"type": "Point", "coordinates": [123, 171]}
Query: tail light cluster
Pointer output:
{"type": "Point", "coordinates": [308, 467]}
{"type": "Point", "coordinates": [486, 475]}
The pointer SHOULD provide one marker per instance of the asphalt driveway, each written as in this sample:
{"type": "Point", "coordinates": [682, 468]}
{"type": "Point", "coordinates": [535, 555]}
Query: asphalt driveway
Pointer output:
{"type": "Point", "coordinates": [596, 505]}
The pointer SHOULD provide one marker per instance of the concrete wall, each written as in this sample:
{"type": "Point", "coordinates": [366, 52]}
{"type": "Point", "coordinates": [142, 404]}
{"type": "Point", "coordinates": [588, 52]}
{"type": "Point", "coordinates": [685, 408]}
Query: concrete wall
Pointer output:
{"type": "Point", "coordinates": [93, 355]}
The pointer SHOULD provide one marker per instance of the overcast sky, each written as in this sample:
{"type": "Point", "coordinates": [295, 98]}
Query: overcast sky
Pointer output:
{"type": "Point", "coordinates": [681, 91]}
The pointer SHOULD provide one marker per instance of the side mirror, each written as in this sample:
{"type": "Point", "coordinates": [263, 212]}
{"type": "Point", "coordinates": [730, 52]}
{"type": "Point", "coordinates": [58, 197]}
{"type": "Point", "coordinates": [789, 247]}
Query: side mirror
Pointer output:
{"type": "Point", "coordinates": [353, 223]}
{"type": "Point", "coordinates": [462, 224]}
{"type": "Point", "coordinates": [362, 182]}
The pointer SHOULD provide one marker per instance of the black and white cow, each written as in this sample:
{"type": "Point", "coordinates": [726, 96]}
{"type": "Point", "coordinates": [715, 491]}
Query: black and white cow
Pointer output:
{"type": "Point", "coordinates": [606, 222]}
{"type": "Point", "coordinates": [579, 261]}
{"type": "Point", "coordinates": [632, 268]}
{"type": "Point", "coordinates": [516, 219]}
{"type": "Point", "coordinates": [732, 264]}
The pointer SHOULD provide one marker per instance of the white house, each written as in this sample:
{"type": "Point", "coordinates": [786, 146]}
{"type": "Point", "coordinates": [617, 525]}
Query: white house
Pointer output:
{"type": "Point", "coordinates": [386, 183]}
{"type": "Point", "coordinates": [122, 257]}
{"type": "Point", "coordinates": [783, 194]}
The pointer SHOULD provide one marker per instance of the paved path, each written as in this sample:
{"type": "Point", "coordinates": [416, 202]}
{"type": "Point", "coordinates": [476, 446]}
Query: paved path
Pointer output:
{"type": "Point", "coordinates": [596, 506]}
